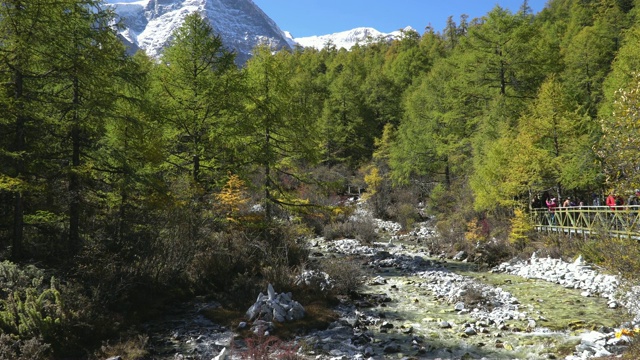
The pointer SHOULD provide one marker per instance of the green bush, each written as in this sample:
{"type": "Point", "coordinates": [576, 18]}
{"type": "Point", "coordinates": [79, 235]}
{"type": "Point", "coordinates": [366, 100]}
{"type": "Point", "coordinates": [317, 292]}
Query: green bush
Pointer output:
{"type": "Point", "coordinates": [34, 311]}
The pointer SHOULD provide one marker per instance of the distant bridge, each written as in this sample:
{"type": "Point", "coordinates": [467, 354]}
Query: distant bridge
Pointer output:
{"type": "Point", "coordinates": [622, 221]}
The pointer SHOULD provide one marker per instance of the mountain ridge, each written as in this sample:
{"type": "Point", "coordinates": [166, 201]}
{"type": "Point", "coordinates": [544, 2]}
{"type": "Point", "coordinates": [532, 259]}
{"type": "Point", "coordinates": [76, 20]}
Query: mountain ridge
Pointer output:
{"type": "Point", "coordinates": [149, 24]}
{"type": "Point", "coordinates": [348, 38]}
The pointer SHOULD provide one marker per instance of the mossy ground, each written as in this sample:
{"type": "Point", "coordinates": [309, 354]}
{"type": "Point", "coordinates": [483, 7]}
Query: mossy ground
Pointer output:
{"type": "Point", "coordinates": [562, 308]}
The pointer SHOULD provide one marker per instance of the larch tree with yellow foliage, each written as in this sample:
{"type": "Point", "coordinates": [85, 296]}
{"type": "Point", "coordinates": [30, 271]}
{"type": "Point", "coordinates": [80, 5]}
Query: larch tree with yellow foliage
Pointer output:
{"type": "Point", "coordinates": [233, 198]}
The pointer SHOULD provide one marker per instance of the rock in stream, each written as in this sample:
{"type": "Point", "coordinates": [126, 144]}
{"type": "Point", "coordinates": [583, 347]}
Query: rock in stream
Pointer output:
{"type": "Point", "coordinates": [414, 306]}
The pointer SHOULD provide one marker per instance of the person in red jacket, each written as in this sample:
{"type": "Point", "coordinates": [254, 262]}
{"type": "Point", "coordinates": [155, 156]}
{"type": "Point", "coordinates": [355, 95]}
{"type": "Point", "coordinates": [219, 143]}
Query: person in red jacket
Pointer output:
{"type": "Point", "coordinates": [611, 201]}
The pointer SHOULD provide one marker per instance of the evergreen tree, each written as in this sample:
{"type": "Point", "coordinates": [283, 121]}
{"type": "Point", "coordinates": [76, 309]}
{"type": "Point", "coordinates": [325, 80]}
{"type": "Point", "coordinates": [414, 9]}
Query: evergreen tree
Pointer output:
{"type": "Point", "coordinates": [499, 58]}
{"type": "Point", "coordinates": [279, 136]}
{"type": "Point", "coordinates": [588, 54]}
{"type": "Point", "coordinates": [23, 25]}
{"type": "Point", "coordinates": [129, 155]}
{"type": "Point", "coordinates": [197, 83]}
{"type": "Point", "coordinates": [626, 62]}
{"type": "Point", "coordinates": [345, 132]}
{"type": "Point", "coordinates": [433, 138]}
{"type": "Point", "coordinates": [549, 149]}
{"type": "Point", "coordinates": [86, 57]}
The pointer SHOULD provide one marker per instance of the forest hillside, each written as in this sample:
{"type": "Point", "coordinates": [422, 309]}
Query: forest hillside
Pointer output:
{"type": "Point", "coordinates": [128, 183]}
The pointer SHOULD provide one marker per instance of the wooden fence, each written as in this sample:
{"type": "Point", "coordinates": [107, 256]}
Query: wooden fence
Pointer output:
{"type": "Point", "coordinates": [623, 221]}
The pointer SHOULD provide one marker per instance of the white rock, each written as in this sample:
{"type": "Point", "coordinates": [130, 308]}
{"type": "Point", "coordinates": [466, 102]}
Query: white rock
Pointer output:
{"type": "Point", "coordinates": [271, 292]}
{"type": "Point", "coordinates": [222, 355]}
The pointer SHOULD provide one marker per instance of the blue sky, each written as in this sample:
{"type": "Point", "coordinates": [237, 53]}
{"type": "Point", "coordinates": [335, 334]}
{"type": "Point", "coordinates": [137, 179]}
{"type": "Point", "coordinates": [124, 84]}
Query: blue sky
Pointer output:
{"type": "Point", "coordinates": [320, 17]}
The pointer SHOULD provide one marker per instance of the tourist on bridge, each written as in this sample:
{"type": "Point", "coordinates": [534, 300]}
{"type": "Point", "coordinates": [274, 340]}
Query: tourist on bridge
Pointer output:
{"type": "Point", "coordinates": [611, 201]}
{"type": "Point", "coordinates": [634, 199]}
{"type": "Point", "coordinates": [552, 204]}
{"type": "Point", "coordinates": [567, 204]}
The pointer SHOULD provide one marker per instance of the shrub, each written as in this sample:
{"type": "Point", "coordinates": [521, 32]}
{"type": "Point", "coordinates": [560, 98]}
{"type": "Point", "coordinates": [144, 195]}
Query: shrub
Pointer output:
{"type": "Point", "coordinates": [131, 348]}
{"type": "Point", "coordinates": [267, 347]}
{"type": "Point", "coordinates": [618, 255]}
{"type": "Point", "coordinates": [39, 312]}
{"type": "Point", "coordinates": [473, 296]}
{"type": "Point", "coordinates": [346, 274]}
{"type": "Point", "coordinates": [360, 229]}
{"type": "Point", "coordinates": [407, 215]}
{"type": "Point", "coordinates": [31, 305]}
{"type": "Point", "coordinates": [405, 206]}
{"type": "Point", "coordinates": [494, 252]}
{"type": "Point", "coordinates": [29, 349]}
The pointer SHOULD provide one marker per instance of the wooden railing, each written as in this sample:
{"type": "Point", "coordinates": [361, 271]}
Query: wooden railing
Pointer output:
{"type": "Point", "coordinates": [623, 221]}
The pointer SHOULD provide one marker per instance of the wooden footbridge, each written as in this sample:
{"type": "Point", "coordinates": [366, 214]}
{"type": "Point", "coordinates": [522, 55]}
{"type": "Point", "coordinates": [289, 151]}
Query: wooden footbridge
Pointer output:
{"type": "Point", "coordinates": [622, 221]}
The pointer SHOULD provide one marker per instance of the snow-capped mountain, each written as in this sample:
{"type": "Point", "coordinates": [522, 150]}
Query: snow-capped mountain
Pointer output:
{"type": "Point", "coordinates": [347, 39]}
{"type": "Point", "coordinates": [240, 23]}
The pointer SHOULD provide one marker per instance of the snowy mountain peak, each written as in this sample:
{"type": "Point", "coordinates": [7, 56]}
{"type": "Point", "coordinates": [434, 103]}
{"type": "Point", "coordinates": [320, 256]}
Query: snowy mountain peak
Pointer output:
{"type": "Point", "coordinates": [347, 39]}
{"type": "Point", "coordinates": [241, 24]}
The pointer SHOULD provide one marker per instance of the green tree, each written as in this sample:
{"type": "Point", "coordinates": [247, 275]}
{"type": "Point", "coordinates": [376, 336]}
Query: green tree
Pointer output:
{"type": "Point", "coordinates": [619, 146]}
{"type": "Point", "coordinates": [550, 148]}
{"type": "Point", "coordinates": [626, 62]}
{"type": "Point", "coordinates": [406, 59]}
{"type": "Point", "coordinates": [499, 57]}
{"type": "Point", "coordinates": [197, 82]}
{"type": "Point", "coordinates": [130, 154]}
{"type": "Point", "coordinates": [588, 55]}
{"type": "Point", "coordinates": [563, 134]}
{"type": "Point", "coordinates": [492, 182]}
{"type": "Point", "coordinates": [346, 135]}
{"type": "Point", "coordinates": [87, 57]}
{"type": "Point", "coordinates": [433, 137]}
{"type": "Point", "coordinates": [23, 25]}
{"type": "Point", "coordinates": [279, 136]}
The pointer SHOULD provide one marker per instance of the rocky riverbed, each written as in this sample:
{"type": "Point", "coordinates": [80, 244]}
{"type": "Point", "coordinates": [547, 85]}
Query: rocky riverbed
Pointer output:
{"type": "Point", "coordinates": [418, 306]}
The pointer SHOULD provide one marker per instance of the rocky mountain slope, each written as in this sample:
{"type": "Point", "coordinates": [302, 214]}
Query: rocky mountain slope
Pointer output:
{"type": "Point", "coordinates": [241, 23]}
{"type": "Point", "coordinates": [148, 25]}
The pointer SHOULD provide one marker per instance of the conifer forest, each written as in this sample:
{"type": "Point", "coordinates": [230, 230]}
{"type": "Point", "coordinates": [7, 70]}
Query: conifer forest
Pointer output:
{"type": "Point", "coordinates": [129, 183]}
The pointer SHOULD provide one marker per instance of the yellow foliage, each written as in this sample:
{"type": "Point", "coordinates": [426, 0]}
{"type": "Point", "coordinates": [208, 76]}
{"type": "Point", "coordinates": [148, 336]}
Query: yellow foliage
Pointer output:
{"type": "Point", "coordinates": [520, 228]}
{"type": "Point", "coordinates": [373, 179]}
{"type": "Point", "coordinates": [619, 146]}
{"type": "Point", "coordinates": [627, 332]}
{"type": "Point", "coordinates": [233, 196]}
{"type": "Point", "coordinates": [10, 183]}
{"type": "Point", "coordinates": [474, 232]}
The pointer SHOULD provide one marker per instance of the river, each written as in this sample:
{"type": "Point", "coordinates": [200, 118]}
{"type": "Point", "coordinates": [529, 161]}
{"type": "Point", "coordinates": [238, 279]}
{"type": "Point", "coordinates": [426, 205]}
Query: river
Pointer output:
{"type": "Point", "coordinates": [414, 306]}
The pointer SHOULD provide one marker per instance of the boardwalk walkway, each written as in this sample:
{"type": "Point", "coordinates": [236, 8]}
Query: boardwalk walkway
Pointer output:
{"type": "Point", "coordinates": [624, 221]}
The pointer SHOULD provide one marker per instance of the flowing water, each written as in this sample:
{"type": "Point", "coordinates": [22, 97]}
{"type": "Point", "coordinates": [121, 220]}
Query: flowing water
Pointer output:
{"type": "Point", "coordinates": [421, 308]}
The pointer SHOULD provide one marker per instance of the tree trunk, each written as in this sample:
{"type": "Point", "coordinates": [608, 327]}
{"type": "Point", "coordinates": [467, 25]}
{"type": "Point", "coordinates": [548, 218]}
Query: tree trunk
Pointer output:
{"type": "Point", "coordinates": [74, 178]}
{"type": "Point", "coordinates": [267, 175]}
{"type": "Point", "coordinates": [18, 207]}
